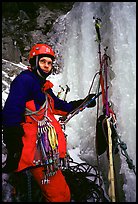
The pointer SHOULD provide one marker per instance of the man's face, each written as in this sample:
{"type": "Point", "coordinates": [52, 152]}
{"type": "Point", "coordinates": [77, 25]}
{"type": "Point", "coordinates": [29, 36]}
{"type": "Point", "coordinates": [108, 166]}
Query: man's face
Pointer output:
{"type": "Point", "coordinates": [45, 63]}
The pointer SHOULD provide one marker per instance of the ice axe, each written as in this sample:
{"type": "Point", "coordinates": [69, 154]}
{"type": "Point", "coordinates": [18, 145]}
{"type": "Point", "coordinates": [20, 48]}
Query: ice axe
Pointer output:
{"type": "Point", "coordinates": [59, 93]}
{"type": "Point", "coordinates": [67, 90]}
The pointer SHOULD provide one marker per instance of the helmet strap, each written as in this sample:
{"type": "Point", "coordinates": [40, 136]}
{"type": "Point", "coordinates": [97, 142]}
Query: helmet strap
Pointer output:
{"type": "Point", "coordinates": [34, 66]}
{"type": "Point", "coordinates": [38, 72]}
{"type": "Point", "coordinates": [42, 74]}
{"type": "Point", "coordinates": [36, 61]}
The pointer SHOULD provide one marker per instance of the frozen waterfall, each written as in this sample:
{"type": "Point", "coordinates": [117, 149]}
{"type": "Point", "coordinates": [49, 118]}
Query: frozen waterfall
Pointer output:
{"type": "Point", "coordinates": [78, 54]}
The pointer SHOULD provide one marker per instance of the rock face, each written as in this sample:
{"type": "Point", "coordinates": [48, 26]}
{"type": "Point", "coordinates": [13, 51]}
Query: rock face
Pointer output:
{"type": "Point", "coordinates": [24, 24]}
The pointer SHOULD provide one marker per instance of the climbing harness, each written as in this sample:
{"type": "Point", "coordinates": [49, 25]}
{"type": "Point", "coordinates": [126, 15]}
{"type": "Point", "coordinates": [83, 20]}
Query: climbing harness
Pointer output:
{"type": "Point", "coordinates": [46, 153]}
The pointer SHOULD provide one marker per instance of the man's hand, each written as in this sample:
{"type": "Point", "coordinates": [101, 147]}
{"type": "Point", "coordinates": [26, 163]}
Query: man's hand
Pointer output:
{"type": "Point", "coordinates": [92, 103]}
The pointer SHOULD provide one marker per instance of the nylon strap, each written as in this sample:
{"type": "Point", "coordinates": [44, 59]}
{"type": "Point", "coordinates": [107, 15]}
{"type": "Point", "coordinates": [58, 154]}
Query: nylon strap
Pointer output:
{"type": "Point", "coordinates": [111, 190]}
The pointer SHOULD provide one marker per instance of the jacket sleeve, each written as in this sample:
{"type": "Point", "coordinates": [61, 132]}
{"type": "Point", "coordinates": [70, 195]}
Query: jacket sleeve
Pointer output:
{"type": "Point", "coordinates": [63, 107]}
{"type": "Point", "coordinates": [13, 111]}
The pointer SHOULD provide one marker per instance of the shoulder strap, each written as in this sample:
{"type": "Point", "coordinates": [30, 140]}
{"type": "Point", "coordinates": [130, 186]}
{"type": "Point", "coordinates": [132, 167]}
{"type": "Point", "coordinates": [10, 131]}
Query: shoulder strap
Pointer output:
{"type": "Point", "coordinates": [29, 112]}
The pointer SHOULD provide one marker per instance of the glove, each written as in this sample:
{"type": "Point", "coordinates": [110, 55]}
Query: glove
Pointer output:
{"type": "Point", "coordinates": [77, 103]}
{"type": "Point", "coordinates": [12, 137]}
{"type": "Point", "coordinates": [92, 103]}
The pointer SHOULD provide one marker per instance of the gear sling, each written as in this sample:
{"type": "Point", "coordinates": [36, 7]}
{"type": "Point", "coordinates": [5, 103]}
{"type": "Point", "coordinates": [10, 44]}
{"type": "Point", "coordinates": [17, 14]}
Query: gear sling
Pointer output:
{"type": "Point", "coordinates": [49, 150]}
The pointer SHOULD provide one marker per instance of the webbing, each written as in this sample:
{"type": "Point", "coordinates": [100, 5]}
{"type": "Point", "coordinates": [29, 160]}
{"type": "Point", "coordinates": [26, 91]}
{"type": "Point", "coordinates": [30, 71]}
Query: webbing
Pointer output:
{"type": "Point", "coordinates": [29, 112]}
{"type": "Point", "coordinates": [111, 190]}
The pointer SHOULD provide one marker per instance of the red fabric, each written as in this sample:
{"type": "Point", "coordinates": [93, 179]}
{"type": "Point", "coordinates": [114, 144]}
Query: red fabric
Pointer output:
{"type": "Point", "coordinates": [47, 85]}
{"type": "Point", "coordinates": [29, 68]}
{"type": "Point", "coordinates": [102, 87]}
{"type": "Point", "coordinates": [56, 190]}
{"type": "Point", "coordinates": [54, 111]}
{"type": "Point", "coordinates": [30, 136]}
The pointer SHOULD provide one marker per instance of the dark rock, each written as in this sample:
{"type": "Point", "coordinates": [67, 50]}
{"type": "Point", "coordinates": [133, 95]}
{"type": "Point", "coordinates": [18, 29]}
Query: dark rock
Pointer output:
{"type": "Point", "coordinates": [27, 23]}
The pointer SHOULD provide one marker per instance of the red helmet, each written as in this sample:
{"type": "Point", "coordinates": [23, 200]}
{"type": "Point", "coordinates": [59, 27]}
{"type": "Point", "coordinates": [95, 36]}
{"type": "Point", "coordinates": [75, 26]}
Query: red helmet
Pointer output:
{"type": "Point", "coordinates": [40, 49]}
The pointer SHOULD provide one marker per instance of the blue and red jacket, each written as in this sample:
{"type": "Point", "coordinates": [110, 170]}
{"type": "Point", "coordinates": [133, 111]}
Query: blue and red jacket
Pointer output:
{"type": "Point", "coordinates": [28, 91]}
{"type": "Point", "coordinates": [25, 87]}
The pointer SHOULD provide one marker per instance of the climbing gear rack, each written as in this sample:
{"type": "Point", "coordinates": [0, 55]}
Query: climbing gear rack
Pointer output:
{"type": "Point", "coordinates": [46, 154]}
{"type": "Point", "coordinates": [110, 136]}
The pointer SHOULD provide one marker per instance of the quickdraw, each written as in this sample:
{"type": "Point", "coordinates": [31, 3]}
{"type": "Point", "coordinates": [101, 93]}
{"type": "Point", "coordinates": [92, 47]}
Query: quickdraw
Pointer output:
{"type": "Point", "coordinates": [46, 153]}
{"type": "Point", "coordinates": [47, 149]}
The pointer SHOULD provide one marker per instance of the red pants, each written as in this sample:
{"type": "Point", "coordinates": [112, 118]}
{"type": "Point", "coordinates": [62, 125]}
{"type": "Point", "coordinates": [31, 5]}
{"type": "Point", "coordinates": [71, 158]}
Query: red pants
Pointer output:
{"type": "Point", "coordinates": [56, 190]}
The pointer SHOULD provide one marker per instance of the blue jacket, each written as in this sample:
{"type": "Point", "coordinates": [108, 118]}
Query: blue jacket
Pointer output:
{"type": "Point", "coordinates": [25, 87]}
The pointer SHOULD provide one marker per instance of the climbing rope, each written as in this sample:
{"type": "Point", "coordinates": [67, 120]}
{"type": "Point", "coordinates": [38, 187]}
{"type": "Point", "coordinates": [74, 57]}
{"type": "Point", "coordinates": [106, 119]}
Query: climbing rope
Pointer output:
{"type": "Point", "coordinates": [82, 179]}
